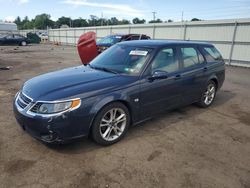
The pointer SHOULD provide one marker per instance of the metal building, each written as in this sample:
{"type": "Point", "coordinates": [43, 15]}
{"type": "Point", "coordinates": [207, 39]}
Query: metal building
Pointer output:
{"type": "Point", "coordinates": [8, 26]}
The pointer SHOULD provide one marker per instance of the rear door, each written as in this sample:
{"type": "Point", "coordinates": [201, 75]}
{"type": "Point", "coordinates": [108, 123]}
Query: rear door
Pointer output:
{"type": "Point", "coordinates": [215, 63]}
{"type": "Point", "coordinates": [193, 69]}
{"type": "Point", "coordinates": [18, 39]}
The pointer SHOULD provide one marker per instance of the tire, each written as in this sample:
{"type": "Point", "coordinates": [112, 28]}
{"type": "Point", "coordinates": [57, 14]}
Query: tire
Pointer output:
{"type": "Point", "coordinates": [208, 95]}
{"type": "Point", "coordinates": [111, 124]}
{"type": "Point", "coordinates": [23, 43]}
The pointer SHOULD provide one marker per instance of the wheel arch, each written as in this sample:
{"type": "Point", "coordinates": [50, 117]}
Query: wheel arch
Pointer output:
{"type": "Point", "coordinates": [215, 80]}
{"type": "Point", "coordinates": [107, 101]}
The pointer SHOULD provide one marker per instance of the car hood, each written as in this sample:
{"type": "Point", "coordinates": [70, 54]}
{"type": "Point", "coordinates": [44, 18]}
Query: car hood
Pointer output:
{"type": "Point", "coordinates": [74, 82]}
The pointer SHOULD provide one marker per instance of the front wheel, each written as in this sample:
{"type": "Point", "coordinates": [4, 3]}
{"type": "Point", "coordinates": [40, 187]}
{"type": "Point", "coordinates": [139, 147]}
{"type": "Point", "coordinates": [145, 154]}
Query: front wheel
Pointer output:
{"type": "Point", "coordinates": [208, 95]}
{"type": "Point", "coordinates": [23, 43]}
{"type": "Point", "coordinates": [111, 124]}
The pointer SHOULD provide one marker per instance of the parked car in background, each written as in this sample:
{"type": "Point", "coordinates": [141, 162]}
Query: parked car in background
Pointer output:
{"type": "Point", "coordinates": [125, 85]}
{"type": "Point", "coordinates": [44, 36]}
{"type": "Point", "coordinates": [88, 48]}
{"type": "Point", "coordinates": [13, 39]}
{"type": "Point", "coordinates": [110, 40]}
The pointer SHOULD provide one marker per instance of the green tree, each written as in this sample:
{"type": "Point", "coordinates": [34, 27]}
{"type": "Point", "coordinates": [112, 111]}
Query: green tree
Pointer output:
{"type": "Point", "coordinates": [113, 21]}
{"type": "Point", "coordinates": [124, 22]}
{"type": "Point", "coordinates": [43, 21]}
{"type": "Point", "coordinates": [64, 21]}
{"type": "Point", "coordinates": [93, 21]}
{"type": "Point", "coordinates": [155, 21]}
{"type": "Point", "coordinates": [28, 25]}
{"type": "Point", "coordinates": [138, 21]}
{"type": "Point", "coordinates": [25, 24]}
{"type": "Point", "coordinates": [18, 22]}
{"type": "Point", "coordinates": [79, 23]}
{"type": "Point", "coordinates": [195, 19]}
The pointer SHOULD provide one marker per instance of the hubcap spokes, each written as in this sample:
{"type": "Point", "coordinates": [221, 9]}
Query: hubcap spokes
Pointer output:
{"type": "Point", "coordinates": [113, 124]}
{"type": "Point", "coordinates": [209, 94]}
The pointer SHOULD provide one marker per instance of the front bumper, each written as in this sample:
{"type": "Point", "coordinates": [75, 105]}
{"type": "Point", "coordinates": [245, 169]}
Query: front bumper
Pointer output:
{"type": "Point", "coordinates": [54, 129]}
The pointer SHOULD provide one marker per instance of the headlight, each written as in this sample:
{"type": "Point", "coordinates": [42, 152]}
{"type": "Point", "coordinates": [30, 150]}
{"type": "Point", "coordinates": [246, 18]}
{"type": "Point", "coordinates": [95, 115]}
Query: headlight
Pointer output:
{"type": "Point", "coordinates": [55, 107]}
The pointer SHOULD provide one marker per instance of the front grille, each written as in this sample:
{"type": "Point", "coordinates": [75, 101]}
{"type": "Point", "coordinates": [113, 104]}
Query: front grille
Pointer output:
{"type": "Point", "coordinates": [35, 107]}
{"type": "Point", "coordinates": [23, 101]}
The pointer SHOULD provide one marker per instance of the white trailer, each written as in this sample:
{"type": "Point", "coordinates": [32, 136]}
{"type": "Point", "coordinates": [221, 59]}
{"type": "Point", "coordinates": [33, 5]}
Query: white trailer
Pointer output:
{"type": "Point", "coordinates": [8, 28]}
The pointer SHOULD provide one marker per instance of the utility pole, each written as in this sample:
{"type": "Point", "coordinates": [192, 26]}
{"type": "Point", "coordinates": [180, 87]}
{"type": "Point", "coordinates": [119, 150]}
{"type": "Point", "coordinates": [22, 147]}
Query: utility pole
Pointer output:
{"type": "Point", "coordinates": [102, 19]}
{"type": "Point", "coordinates": [154, 13]}
{"type": "Point", "coordinates": [182, 13]}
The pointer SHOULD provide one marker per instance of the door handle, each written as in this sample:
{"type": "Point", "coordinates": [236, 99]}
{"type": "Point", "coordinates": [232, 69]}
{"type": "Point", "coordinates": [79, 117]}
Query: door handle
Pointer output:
{"type": "Point", "coordinates": [177, 77]}
{"type": "Point", "coordinates": [205, 69]}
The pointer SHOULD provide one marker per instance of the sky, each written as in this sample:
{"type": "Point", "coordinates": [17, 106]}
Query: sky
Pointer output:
{"type": "Point", "coordinates": [126, 9]}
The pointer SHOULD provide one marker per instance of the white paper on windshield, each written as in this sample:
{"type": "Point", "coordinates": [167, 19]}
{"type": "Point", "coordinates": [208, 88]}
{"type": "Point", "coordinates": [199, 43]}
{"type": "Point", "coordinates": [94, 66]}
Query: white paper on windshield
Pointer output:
{"type": "Point", "coordinates": [138, 52]}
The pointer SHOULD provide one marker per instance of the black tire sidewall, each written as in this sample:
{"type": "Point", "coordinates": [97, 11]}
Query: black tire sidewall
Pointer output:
{"type": "Point", "coordinates": [95, 132]}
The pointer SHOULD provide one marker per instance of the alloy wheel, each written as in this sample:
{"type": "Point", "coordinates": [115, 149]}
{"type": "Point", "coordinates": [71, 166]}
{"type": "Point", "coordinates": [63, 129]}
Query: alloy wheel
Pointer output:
{"type": "Point", "coordinates": [113, 124]}
{"type": "Point", "coordinates": [23, 43]}
{"type": "Point", "coordinates": [209, 94]}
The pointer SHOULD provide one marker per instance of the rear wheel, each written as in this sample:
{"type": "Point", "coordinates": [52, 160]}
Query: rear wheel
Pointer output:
{"type": "Point", "coordinates": [208, 95]}
{"type": "Point", "coordinates": [111, 124]}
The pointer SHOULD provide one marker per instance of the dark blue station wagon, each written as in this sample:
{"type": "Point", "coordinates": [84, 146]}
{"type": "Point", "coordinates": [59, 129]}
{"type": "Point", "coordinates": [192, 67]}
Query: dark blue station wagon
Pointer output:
{"type": "Point", "coordinates": [125, 85]}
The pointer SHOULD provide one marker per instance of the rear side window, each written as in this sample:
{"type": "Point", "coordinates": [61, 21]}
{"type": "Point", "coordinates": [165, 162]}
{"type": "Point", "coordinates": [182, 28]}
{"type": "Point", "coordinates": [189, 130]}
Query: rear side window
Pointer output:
{"type": "Point", "coordinates": [144, 37]}
{"type": "Point", "coordinates": [18, 36]}
{"type": "Point", "coordinates": [135, 37]}
{"type": "Point", "coordinates": [10, 36]}
{"type": "Point", "coordinates": [191, 57]}
{"type": "Point", "coordinates": [212, 54]}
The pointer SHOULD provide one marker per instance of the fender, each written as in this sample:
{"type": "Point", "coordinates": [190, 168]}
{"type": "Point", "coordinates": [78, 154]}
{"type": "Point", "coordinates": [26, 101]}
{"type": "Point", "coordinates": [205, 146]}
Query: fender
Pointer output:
{"type": "Point", "coordinates": [104, 100]}
{"type": "Point", "coordinates": [213, 77]}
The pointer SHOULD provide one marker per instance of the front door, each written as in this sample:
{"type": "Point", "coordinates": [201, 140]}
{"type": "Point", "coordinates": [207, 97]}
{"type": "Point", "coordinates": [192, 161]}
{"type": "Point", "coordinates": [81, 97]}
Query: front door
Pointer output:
{"type": "Point", "coordinates": [164, 93]}
{"type": "Point", "coordinates": [10, 39]}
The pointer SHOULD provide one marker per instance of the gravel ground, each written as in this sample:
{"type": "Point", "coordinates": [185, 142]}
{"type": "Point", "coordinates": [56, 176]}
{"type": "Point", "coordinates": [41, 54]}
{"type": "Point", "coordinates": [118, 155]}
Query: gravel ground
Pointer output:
{"type": "Point", "coordinates": [188, 147]}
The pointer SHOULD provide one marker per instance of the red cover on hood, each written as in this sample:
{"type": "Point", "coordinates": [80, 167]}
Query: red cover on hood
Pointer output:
{"type": "Point", "coordinates": [86, 47]}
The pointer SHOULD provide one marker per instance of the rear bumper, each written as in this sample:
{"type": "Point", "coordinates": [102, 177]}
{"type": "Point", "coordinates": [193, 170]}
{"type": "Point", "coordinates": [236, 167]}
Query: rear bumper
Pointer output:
{"type": "Point", "coordinates": [58, 129]}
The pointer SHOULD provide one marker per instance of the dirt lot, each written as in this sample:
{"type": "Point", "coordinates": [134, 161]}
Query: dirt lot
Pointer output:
{"type": "Point", "coordinates": [189, 147]}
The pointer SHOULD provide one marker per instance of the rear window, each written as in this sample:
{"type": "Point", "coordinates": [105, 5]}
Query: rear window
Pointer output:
{"type": "Point", "coordinates": [113, 39]}
{"type": "Point", "coordinates": [135, 37]}
{"type": "Point", "coordinates": [212, 54]}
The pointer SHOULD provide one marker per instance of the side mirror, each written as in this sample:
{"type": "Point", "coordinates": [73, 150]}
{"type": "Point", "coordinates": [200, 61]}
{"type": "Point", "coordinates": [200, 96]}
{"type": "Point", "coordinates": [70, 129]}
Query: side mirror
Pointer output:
{"type": "Point", "coordinates": [158, 74]}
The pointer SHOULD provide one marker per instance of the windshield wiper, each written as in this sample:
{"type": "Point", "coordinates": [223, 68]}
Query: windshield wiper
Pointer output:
{"type": "Point", "coordinates": [103, 69]}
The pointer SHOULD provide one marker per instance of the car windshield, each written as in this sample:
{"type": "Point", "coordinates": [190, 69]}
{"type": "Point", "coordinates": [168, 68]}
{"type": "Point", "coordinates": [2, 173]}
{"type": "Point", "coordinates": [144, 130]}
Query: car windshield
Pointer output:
{"type": "Point", "coordinates": [110, 40]}
{"type": "Point", "coordinates": [122, 59]}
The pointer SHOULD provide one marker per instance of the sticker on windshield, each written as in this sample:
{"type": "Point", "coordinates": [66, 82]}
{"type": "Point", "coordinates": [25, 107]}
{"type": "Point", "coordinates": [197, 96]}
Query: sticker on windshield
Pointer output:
{"type": "Point", "coordinates": [118, 37]}
{"type": "Point", "coordinates": [138, 52]}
